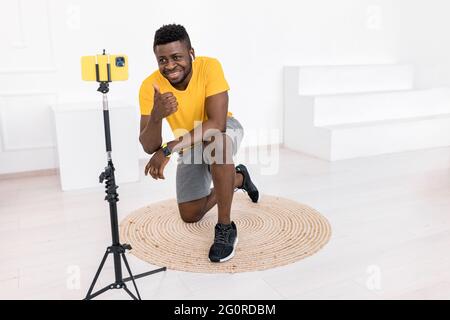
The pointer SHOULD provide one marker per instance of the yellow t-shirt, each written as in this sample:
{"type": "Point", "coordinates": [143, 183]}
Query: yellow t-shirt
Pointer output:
{"type": "Point", "coordinates": [207, 80]}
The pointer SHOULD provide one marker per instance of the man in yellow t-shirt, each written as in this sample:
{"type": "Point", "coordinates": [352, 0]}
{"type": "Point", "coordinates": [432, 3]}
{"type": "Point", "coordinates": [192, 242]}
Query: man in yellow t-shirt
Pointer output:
{"type": "Point", "coordinates": [191, 93]}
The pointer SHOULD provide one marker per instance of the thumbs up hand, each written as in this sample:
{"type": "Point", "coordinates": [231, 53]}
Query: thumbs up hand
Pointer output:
{"type": "Point", "coordinates": [164, 104]}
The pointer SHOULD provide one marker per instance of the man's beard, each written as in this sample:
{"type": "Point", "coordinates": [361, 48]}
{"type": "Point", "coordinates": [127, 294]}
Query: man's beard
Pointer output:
{"type": "Point", "coordinates": [186, 74]}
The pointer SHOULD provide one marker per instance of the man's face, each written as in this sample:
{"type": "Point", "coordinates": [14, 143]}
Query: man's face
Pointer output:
{"type": "Point", "coordinates": [175, 62]}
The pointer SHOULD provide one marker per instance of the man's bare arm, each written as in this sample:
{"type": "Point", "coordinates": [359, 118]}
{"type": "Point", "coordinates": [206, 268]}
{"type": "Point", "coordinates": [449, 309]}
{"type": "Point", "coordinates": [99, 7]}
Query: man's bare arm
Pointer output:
{"type": "Point", "coordinates": [150, 136]}
{"type": "Point", "coordinates": [164, 105]}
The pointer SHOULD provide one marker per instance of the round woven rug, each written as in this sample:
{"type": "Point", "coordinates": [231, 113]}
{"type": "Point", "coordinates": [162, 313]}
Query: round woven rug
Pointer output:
{"type": "Point", "coordinates": [273, 232]}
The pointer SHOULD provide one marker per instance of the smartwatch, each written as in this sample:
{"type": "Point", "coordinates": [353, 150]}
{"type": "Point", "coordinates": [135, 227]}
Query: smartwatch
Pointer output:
{"type": "Point", "coordinates": [166, 150]}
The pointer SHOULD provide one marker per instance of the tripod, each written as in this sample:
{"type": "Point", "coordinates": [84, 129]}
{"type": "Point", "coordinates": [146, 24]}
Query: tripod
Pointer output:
{"type": "Point", "coordinates": [116, 249]}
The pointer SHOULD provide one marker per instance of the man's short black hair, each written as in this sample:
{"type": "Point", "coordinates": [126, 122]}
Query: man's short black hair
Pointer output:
{"type": "Point", "coordinates": [170, 33]}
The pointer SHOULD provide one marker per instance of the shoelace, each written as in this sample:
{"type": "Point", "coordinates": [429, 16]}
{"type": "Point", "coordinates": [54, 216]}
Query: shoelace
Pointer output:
{"type": "Point", "coordinates": [221, 235]}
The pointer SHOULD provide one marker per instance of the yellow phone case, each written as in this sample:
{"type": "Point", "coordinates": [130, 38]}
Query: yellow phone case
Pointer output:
{"type": "Point", "coordinates": [118, 67]}
{"type": "Point", "coordinates": [118, 72]}
{"type": "Point", "coordinates": [88, 68]}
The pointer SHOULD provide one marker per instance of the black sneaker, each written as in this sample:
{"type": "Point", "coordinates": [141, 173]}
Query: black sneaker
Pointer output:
{"type": "Point", "coordinates": [225, 241]}
{"type": "Point", "coordinates": [247, 184]}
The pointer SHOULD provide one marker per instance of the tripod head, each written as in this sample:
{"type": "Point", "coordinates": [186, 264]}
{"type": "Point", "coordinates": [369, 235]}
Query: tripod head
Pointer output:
{"type": "Point", "coordinates": [104, 87]}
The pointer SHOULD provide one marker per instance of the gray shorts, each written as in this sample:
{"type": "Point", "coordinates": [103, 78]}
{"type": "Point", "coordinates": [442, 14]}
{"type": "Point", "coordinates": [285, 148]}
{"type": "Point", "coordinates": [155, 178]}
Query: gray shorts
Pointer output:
{"type": "Point", "coordinates": [193, 178]}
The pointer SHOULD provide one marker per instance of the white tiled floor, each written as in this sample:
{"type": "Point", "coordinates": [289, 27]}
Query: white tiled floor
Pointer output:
{"type": "Point", "coordinates": [390, 216]}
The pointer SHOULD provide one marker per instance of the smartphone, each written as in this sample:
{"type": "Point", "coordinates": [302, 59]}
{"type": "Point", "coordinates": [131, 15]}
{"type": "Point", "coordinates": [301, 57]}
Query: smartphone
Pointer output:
{"type": "Point", "coordinates": [118, 66]}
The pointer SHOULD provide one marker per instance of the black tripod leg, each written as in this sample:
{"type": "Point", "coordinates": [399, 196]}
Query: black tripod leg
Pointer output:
{"type": "Point", "coordinates": [130, 293]}
{"type": "Point", "coordinates": [99, 292]}
{"type": "Point", "coordinates": [131, 276]}
{"type": "Point", "coordinates": [97, 274]}
{"type": "Point", "coordinates": [141, 275]}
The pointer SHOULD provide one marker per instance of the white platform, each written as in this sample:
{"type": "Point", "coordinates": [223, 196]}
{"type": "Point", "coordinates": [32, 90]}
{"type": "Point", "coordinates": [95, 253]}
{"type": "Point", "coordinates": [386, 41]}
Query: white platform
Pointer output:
{"type": "Point", "coordinates": [355, 108]}
{"type": "Point", "coordinates": [320, 80]}
{"type": "Point", "coordinates": [347, 125]}
{"type": "Point", "coordinates": [81, 143]}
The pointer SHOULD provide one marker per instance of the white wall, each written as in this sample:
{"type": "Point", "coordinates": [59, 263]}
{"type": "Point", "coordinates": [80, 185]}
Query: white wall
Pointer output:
{"type": "Point", "coordinates": [42, 41]}
{"type": "Point", "coordinates": [423, 40]}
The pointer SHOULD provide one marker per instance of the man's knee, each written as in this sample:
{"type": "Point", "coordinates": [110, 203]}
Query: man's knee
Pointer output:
{"type": "Point", "coordinates": [219, 150]}
{"type": "Point", "coordinates": [190, 219]}
{"type": "Point", "coordinates": [190, 213]}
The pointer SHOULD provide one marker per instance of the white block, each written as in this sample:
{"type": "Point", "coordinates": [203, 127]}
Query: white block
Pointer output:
{"type": "Point", "coordinates": [358, 125]}
{"type": "Point", "coordinates": [320, 80]}
{"type": "Point", "coordinates": [360, 140]}
{"type": "Point", "coordinates": [353, 108]}
{"type": "Point", "coordinates": [371, 138]}
{"type": "Point", "coordinates": [81, 143]}
{"type": "Point", "coordinates": [299, 133]}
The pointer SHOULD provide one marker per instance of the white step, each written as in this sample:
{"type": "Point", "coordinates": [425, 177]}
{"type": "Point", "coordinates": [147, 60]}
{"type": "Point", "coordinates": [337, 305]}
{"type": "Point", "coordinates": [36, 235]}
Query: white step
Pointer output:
{"type": "Point", "coordinates": [320, 80]}
{"type": "Point", "coordinates": [379, 137]}
{"type": "Point", "coordinates": [353, 108]}
{"type": "Point", "coordinates": [330, 113]}
{"type": "Point", "coordinates": [363, 139]}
